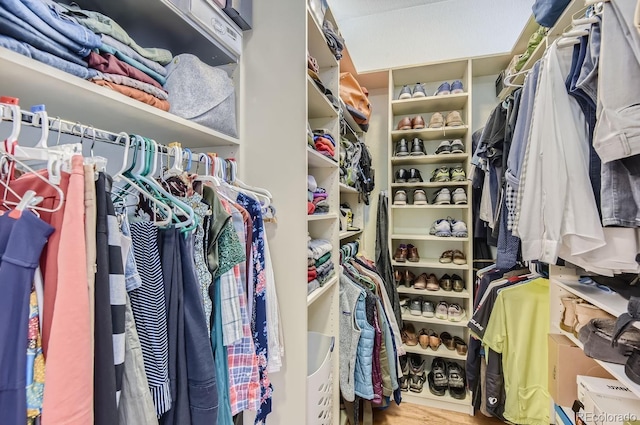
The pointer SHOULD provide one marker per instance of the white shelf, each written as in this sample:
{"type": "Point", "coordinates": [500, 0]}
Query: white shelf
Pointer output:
{"type": "Point", "coordinates": [79, 100]}
{"type": "Point", "coordinates": [347, 189]}
{"type": "Point", "coordinates": [416, 237]}
{"type": "Point", "coordinates": [318, 293]}
{"type": "Point", "coordinates": [444, 158]}
{"type": "Point", "coordinates": [439, 293]}
{"type": "Point", "coordinates": [318, 217]}
{"type": "Point", "coordinates": [317, 44]}
{"type": "Point", "coordinates": [316, 160]}
{"type": "Point", "coordinates": [613, 303]}
{"type": "Point", "coordinates": [430, 264]}
{"type": "Point", "coordinates": [428, 207]}
{"type": "Point", "coordinates": [432, 184]}
{"type": "Point", "coordinates": [425, 395]}
{"type": "Point", "coordinates": [442, 351]}
{"type": "Point", "coordinates": [318, 105]}
{"type": "Point", "coordinates": [349, 234]}
{"type": "Point", "coordinates": [431, 133]}
{"type": "Point", "coordinates": [427, 104]}
{"type": "Point", "coordinates": [421, 319]}
{"type": "Point", "coordinates": [616, 370]}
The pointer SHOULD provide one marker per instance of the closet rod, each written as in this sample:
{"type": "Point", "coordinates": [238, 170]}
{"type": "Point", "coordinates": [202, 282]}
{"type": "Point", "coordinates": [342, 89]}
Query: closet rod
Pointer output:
{"type": "Point", "coordinates": [74, 129]}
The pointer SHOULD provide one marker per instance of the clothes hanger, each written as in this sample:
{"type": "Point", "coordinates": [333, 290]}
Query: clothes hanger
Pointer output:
{"type": "Point", "coordinates": [261, 195]}
{"type": "Point", "coordinates": [508, 80]}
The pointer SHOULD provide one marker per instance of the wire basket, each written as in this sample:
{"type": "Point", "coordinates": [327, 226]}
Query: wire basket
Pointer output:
{"type": "Point", "coordinates": [319, 379]}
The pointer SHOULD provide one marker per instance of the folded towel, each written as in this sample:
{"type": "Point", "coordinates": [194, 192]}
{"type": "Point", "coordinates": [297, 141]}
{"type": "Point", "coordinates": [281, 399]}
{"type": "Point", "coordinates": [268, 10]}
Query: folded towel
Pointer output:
{"type": "Point", "coordinates": [325, 279]}
{"type": "Point", "coordinates": [324, 269]}
{"type": "Point", "coordinates": [320, 261]}
{"type": "Point", "coordinates": [318, 247]}
{"type": "Point", "coordinates": [312, 286]}
{"type": "Point", "coordinates": [311, 274]}
{"type": "Point", "coordinates": [311, 208]}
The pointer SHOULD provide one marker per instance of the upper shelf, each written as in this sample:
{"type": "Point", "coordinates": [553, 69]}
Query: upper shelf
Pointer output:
{"type": "Point", "coordinates": [76, 99]}
{"type": "Point", "coordinates": [316, 160]}
{"type": "Point", "coordinates": [168, 27]}
{"type": "Point", "coordinates": [318, 105]}
{"type": "Point", "coordinates": [427, 104]}
{"type": "Point", "coordinates": [347, 189]}
{"type": "Point", "coordinates": [431, 133]}
{"type": "Point", "coordinates": [317, 44]}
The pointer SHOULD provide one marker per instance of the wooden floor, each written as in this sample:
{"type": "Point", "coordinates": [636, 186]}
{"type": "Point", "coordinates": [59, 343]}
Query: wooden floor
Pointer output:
{"type": "Point", "coordinates": [412, 414]}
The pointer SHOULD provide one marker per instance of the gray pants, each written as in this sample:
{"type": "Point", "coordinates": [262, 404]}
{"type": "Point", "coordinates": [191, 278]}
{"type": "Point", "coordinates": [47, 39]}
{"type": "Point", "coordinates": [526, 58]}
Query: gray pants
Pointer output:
{"type": "Point", "coordinates": [617, 133]}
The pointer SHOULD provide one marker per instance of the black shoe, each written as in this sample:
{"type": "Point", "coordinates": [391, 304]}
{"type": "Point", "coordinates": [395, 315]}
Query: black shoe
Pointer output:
{"type": "Point", "coordinates": [438, 378]}
{"type": "Point", "coordinates": [402, 149]}
{"type": "Point", "coordinates": [401, 176]}
{"type": "Point", "coordinates": [414, 176]}
{"type": "Point", "coordinates": [457, 381]}
{"type": "Point", "coordinates": [417, 147]}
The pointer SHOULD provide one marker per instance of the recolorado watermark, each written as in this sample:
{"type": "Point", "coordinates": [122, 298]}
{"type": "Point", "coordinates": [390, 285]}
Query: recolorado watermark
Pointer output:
{"type": "Point", "coordinates": [602, 418]}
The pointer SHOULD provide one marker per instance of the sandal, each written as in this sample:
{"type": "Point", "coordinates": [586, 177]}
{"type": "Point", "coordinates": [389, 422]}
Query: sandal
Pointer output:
{"type": "Point", "coordinates": [434, 340]}
{"type": "Point", "coordinates": [447, 340]}
{"type": "Point", "coordinates": [460, 345]}
{"type": "Point", "coordinates": [446, 257]}
{"type": "Point", "coordinates": [409, 336]}
{"type": "Point", "coordinates": [424, 339]}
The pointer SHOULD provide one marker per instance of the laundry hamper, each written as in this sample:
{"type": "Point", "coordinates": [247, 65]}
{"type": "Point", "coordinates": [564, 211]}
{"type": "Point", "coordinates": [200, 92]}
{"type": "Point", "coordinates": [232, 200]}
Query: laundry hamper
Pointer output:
{"type": "Point", "coordinates": [319, 379]}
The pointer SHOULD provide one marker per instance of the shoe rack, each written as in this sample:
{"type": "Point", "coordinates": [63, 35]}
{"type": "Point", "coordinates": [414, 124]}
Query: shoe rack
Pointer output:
{"type": "Point", "coordinates": [410, 224]}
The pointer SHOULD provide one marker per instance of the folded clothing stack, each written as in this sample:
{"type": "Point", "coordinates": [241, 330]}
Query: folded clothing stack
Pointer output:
{"type": "Point", "coordinates": [320, 266]}
{"type": "Point", "coordinates": [317, 202]}
{"type": "Point", "coordinates": [323, 142]}
{"type": "Point", "coordinates": [86, 44]}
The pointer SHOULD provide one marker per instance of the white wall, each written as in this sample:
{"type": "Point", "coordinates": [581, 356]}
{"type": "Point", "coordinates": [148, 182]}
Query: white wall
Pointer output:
{"type": "Point", "coordinates": [484, 100]}
{"type": "Point", "coordinates": [431, 32]}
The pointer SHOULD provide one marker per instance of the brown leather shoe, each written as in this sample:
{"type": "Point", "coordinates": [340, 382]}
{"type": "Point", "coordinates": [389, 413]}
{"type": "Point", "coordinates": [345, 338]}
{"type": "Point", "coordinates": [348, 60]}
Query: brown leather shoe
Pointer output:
{"type": "Point", "coordinates": [432, 283]}
{"type": "Point", "coordinates": [417, 122]}
{"type": "Point", "coordinates": [423, 339]}
{"type": "Point", "coordinates": [461, 346]}
{"type": "Point", "coordinates": [405, 124]}
{"type": "Point", "coordinates": [421, 282]}
{"type": "Point", "coordinates": [401, 254]}
{"type": "Point", "coordinates": [408, 278]}
{"type": "Point", "coordinates": [412, 254]}
{"type": "Point", "coordinates": [447, 340]}
{"type": "Point", "coordinates": [434, 340]}
{"type": "Point", "coordinates": [397, 276]}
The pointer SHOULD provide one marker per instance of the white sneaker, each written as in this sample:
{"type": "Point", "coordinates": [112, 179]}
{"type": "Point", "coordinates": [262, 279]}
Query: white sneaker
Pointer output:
{"type": "Point", "coordinates": [459, 196]}
{"type": "Point", "coordinates": [443, 197]}
{"type": "Point", "coordinates": [459, 229]}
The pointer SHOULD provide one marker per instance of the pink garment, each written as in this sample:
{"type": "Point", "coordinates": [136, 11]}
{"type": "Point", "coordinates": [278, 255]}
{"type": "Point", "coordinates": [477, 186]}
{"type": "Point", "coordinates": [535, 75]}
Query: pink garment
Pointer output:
{"type": "Point", "coordinates": [68, 394]}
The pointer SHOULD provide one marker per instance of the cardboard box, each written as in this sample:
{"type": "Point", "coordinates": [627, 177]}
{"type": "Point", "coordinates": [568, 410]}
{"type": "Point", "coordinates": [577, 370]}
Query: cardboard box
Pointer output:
{"type": "Point", "coordinates": [566, 362]}
{"type": "Point", "coordinates": [607, 402]}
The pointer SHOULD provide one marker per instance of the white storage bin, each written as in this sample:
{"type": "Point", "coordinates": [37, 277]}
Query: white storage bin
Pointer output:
{"type": "Point", "coordinates": [319, 379]}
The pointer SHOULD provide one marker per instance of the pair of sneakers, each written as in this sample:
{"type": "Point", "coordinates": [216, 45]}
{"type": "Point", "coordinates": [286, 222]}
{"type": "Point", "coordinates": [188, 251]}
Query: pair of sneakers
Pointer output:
{"type": "Point", "coordinates": [407, 92]}
{"type": "Point", "coordinates": [451, 312]}
{"type": "Point", "coordinates": [453, 88]}
{"type": "Point", "coordinates": [420, 307]}
{"type": "Point", "coordinates": [450, 146]}
{"type": "Point", "coordinates": [448, 227]}
{"type": "Point", "coordinates": [419, 198]}
{"type": "Point", "coordinates": [445, 174]}
{"type": "Point", "coordinates": [453, 119]}
{"type": "Point", "coordinates": [445, 197]}
{"type": "Point", "coordinates": [447, 376]}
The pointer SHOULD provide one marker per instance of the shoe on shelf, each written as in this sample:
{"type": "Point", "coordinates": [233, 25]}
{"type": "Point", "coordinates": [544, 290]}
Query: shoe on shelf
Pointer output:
{"type": "Point", "coordinates": [445, 88]}
{"type": "Point", "coordinates": [432, 283]}
{"type": "Point", "coordinates": [569, 313]}
{"type": "Point", "coordinates": [454, 119]}
{"type": "Point", "coordinates": [455, 313]}
{"type": "Point", "coordinates": [457, 146]}
{"type": "Point", "coordinates": [446, 283]}
{"type": "Point", "coordinates": [436, 121]}
{"type": "Point", "coordinates": [458, 174]}
{"type": "Point", "coordinates": [442, 310]}
{"type": "Point", "coordinates": [446, 257]}
{"type": "Point", "coordinates": [420, 282]}
{"type": "Point", "coordinates": [401, 176]}
{"type": "Point", "coordinates": [414, 176]}
{"type": "Point", "coordinates": [416, 307]}
{"type": "Point", "coordinates": [418, 375]}
{"type": "Point", "coordinates": [447, 340]}
{"type": "Point", "coordinates": [459, 196]}
{"type": "Point", "coordinates": [443, 147]}
{"type": "Point", "coordinates": [434, 340]}
{"type": "Point", "coordinates": [419, 197]}
{"type": "Point", "coordinates": [400, 198]}
{"type": "Point", "coordinates": [397, 276]}
{"type": "Point", "coordinates": [404, 306]}
{"type": "Point", "coordinates": [441, 175]}
{"type": "Point", "coordinates": [438, 378]}
{"type": "Point", "coordinates": [443, 197]}
{"type": "Point", "coordinates": [457, 87]}
{"type": "Point", "coordinates": [458, 228]}
{"type": "Point", "coordinates": [404, 379]}
{"type": "Point", "coordinates": [457, 381]}
{"type": "Point", "coordinates": [428, 309]}
{"type": "Point", "coordinates": [409, 336]}
{"type": "Point", "coordinates": [441, 228]}
{"type": "Point", "coordinates": [417, 123]}
{"type": "Point", "coordinates": [423, 339]}
{"type": "Point", "coordinates": [459, 257]}
{"type": "Point", "coordinates": [585, 312]}
{"type": "Point", "coordinates": [417, 147]}
{"type": "Point", "coordinates": [404, 124]}
{"type": "Point", "coordinates": [412, 254]}
{"type": "Point", "coordinates": [419, 91]}
{"type": "Point", "coordinates": [457, 283]}
{"type": "Point", "coordinates": [461, 345]}
{"type": "Point", "coordinates": [402, 148]}
{"type": "Point", "coordinates": [405, 93]}
{"type": "Point", "coordinates": [401, 254]}
{"type": "Point", "coordinates": [408, 278]}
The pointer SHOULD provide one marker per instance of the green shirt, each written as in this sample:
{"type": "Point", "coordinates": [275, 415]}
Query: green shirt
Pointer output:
{"type": "Point", "coordinates": [518, 329]}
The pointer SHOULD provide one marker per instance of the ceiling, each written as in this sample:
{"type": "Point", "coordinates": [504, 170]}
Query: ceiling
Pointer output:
{"type": "Point", "coordinates": [383, 34]}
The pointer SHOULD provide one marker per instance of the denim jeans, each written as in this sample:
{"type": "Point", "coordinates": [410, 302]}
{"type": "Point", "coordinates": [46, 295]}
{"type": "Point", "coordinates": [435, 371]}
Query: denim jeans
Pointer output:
{"type": "Point", "coordinates": [50, 23]}
{"type": "Point", "coordinates": [44, 57]}
{"type": "Point", "coordinates": [14, 27]}
{"type": "Point", "coordinates": [617, 134]}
